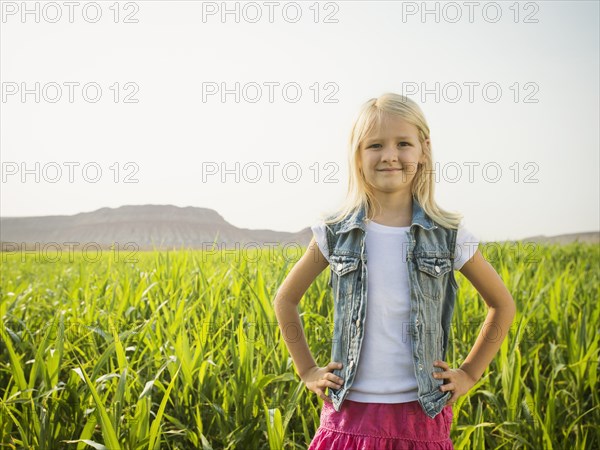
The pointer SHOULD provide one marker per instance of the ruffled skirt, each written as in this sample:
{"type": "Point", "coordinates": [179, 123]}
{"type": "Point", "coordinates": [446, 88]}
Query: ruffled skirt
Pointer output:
{"type": "Point", "coordinates": [382, 426]}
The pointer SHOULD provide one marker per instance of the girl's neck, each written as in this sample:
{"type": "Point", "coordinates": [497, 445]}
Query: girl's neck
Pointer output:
{"type": "Point", "coordinates": [394, 214]}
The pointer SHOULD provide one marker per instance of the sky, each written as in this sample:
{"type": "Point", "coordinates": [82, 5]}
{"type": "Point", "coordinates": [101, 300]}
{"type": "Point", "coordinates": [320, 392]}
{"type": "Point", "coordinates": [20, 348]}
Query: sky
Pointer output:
{"type": "Point", "coordinates": [246, 108]}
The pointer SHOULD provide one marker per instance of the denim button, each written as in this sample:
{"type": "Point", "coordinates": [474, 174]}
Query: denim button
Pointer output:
{"type": "Point", "coordinates": [437, 269]}
{"type": "Point", "coordinates": [351, 363]}
{"type": "Point", "coordinates": [358, 322]}
{"type": "Point", "coordinates": [420, 366]}
{"type": "Point", "coordinates": [340, 266]}
{"type": "Point", "coordinates": [417, 322]}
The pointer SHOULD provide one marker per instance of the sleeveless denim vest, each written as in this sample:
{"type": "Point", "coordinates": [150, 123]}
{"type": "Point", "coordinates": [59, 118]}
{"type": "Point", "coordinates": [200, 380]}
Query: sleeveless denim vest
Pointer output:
{"type": "Point", "coordinates": [430, 260]}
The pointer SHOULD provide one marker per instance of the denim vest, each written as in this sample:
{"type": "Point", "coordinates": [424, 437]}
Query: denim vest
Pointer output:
{"type": "Point", "coordinates": [430, 260]}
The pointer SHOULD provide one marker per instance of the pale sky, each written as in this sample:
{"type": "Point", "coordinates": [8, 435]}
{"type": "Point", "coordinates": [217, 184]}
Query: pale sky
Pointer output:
{"type": "Point", "coordinates": [533, 151]}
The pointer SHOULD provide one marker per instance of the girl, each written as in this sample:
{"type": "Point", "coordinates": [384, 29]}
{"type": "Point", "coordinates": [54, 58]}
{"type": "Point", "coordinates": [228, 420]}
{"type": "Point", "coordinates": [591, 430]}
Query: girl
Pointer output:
{"type": "Point", "coordinates": [389, 386]}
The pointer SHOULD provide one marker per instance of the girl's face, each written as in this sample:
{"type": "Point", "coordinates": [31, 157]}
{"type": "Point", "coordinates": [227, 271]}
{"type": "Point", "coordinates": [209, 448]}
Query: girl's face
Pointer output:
{"type": "Point", "coordinates": [389, 155]}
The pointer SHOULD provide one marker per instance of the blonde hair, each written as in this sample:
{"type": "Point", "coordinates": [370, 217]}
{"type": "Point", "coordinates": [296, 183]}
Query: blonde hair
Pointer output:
{"type": "Point", "coordinates": [371, 116]}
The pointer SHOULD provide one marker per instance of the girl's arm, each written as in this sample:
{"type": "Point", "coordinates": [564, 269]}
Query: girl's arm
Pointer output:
{"type": "Point", "coordinates": [501, 312]}
{"type": "Point", "coordinates": [288, 296]}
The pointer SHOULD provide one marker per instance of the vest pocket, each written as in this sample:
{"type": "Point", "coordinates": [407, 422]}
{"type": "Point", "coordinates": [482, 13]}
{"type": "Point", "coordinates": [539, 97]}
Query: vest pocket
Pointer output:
{"type": "Point", "coordinates": [345, 274]}
{"type": "Point", "coordinates": [431, 273]}
{"type": "Point", "coordinates": [342, 264]}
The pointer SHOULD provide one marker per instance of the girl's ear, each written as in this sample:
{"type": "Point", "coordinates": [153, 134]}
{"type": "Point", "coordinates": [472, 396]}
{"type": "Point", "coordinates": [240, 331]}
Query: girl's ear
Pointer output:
{"type": "Point", "coordinates": [427, 142]}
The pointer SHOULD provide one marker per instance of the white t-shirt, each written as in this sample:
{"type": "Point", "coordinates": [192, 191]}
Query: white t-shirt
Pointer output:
{"type": "Point", "coordinates": [385, 371]}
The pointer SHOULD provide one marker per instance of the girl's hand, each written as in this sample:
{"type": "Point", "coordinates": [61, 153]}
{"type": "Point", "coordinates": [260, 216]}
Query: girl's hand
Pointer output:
{"type": "Point", "coordinates": [459, 381]}
{"type": "Point", "coordinates": [317, 379]}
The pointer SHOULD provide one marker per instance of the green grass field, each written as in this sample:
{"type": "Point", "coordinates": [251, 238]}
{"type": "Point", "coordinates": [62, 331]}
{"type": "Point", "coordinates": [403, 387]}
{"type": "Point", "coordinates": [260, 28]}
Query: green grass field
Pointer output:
{"type": "Point", "coordinates": [182, 350]}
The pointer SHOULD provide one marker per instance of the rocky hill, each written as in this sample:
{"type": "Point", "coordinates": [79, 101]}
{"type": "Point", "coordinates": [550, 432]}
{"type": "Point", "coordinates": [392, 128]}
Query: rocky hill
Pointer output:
{"type": "Point", "coordinates": [146, 226]}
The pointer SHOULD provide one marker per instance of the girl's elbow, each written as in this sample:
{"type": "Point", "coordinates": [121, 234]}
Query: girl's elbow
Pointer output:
{"type": "Point", "coordinates": [506, 304]}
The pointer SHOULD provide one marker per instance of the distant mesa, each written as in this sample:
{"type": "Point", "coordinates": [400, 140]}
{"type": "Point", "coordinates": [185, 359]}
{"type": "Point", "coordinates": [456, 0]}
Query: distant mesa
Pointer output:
{"type": "Point", "coordinates": [148, 227]}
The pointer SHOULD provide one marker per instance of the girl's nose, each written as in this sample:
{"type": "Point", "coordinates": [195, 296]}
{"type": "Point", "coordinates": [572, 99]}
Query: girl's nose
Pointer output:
{"type": "Point", "coordinates": [390, 155]}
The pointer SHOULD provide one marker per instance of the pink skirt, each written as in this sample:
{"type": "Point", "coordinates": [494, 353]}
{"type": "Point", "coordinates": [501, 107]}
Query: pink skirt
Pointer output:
{"type": "Point", "coordinates": [382, 426]}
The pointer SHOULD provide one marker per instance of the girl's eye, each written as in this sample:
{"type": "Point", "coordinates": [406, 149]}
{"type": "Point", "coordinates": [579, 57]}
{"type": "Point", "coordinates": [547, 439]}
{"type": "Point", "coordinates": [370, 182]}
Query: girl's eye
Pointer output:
{"type": "Point", "coordinates": [373, 145]}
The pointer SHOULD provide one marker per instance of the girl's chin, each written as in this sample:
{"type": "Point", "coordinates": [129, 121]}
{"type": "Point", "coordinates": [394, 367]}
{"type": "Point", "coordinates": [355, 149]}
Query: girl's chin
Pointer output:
{"type": "Point", "coordinates": [394, 179]}
{"type": "Point", "coordinates": [391, 187]}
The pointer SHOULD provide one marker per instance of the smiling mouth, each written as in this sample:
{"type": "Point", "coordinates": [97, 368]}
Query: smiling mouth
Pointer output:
{"type": "Point", "coordinates": [390, 170]}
